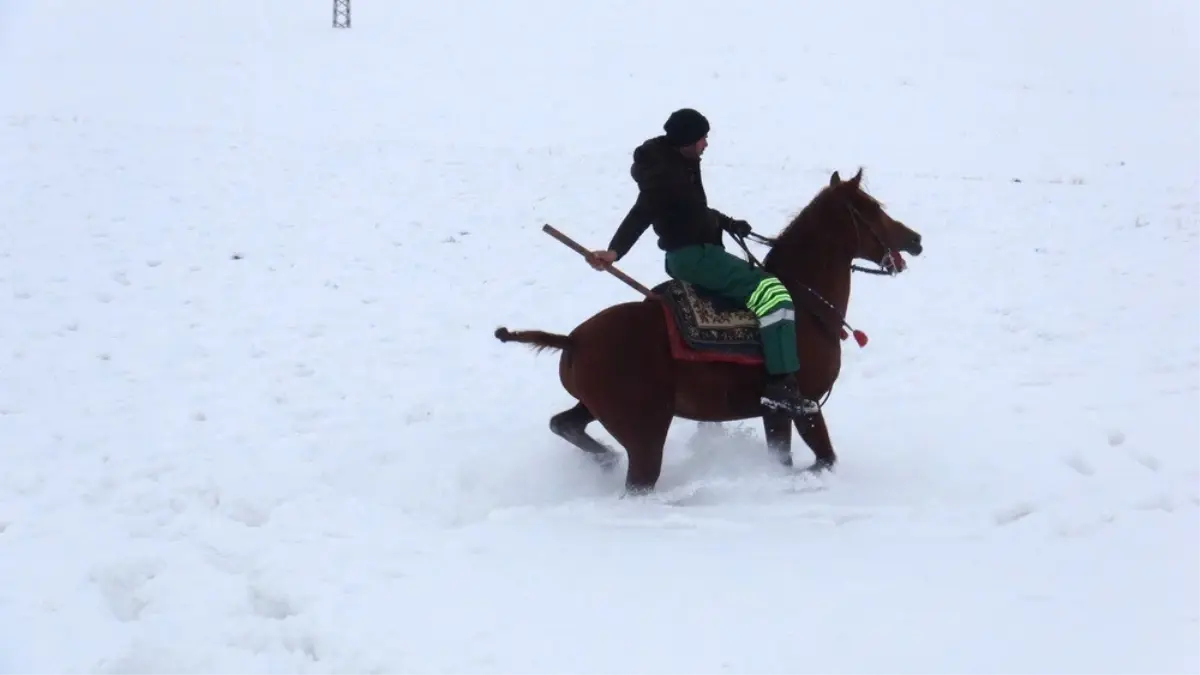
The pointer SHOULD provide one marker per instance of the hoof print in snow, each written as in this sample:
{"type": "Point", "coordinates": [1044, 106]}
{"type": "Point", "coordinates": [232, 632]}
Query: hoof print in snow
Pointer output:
{"type": "Point", "coordinates": [123, 589]}
{"type": "Point", "coordinates": [153, 263]}
{"type": "Point", "coordinates": [302, 644]}
{"type": "Point", "coordinates": [1116, 437]}
{"type": "Point", "coordinates": [236, 256]}
{"type": "Point", "coordinates": [249, 515]}
{"type": "Point", "coordinates": [270, 605]}
{"type": "Point", "coordinates": [1149, 461]}
{"type": "Point", "coordinates": [1079, 464]}
{"type": "Point", "coordinates": [1013, 513]}
{"type": "Point", "coordinates": [1071, 531]}
{"type": "Point", "coordinates": [1159, 503]}
{"type": "Point", "coordinates": [136, 658]}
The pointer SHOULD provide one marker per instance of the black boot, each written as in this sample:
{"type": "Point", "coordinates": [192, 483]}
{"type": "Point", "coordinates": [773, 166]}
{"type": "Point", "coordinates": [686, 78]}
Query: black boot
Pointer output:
{"type": "Point", "coordinates": [780, 394]}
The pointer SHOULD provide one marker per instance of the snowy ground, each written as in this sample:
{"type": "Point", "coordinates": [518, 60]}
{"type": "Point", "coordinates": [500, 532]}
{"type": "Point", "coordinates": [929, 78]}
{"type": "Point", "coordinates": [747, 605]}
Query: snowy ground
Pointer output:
{"type": "Point", "coordinates": [253, 419]}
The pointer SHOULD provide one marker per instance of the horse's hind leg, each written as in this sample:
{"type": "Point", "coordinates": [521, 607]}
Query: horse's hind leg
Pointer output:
{"type": "Point", "coordinates": [643, 436]}
{"type": "Point", "coordinates": [571, 425]}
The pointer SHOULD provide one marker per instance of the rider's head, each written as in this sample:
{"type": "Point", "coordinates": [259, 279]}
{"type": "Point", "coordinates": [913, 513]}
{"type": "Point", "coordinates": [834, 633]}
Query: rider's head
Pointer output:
{"type": "Point", "coordinates": [687, 130]}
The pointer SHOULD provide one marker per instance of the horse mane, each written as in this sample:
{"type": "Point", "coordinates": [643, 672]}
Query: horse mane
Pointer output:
{"type": "Point", "coordinates": [821, 211]}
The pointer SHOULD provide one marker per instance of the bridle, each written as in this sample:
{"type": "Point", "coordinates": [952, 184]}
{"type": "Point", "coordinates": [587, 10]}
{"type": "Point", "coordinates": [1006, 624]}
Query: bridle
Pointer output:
{"type": "Point", "coordinates": [890, 264]}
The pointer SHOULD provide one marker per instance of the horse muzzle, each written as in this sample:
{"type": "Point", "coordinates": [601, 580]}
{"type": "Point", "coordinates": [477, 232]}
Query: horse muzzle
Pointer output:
{"type": "Point", "coordinates": [893, 263]}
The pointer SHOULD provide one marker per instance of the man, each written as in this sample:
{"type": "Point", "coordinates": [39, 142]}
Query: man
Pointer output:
{"type": "Point", "coordinates": [671, 196]}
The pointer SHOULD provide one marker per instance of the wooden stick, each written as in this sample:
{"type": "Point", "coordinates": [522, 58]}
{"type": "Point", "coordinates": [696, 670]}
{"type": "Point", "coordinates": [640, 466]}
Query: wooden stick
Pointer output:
{"type": "Point", "coordinates": [549, 229]}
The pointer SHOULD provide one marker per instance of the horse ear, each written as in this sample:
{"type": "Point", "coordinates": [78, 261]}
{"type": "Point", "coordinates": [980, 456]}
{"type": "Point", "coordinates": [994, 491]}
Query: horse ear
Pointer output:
{"type": "Point", "coordinates": [834, 179]}
{"type": "Point", "coordinates": [857, 177]}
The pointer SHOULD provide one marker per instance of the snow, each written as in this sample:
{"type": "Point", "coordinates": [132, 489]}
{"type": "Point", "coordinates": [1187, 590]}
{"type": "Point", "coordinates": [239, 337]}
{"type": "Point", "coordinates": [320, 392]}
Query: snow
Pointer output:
{"type": "Point", "coordinates": [253, 418]}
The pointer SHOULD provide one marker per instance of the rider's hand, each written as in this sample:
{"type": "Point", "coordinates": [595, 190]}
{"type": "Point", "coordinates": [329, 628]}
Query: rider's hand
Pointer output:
{"type": "Point", "coordinates": [739, 228]}
{"type": "Point", "coordinates": [601, 259]}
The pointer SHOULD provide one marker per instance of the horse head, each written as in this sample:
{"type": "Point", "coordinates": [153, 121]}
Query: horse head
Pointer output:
{"type": "Point", "coordinates": [844, 221]}
{"type": "Point", "coordinates": [877, 236]}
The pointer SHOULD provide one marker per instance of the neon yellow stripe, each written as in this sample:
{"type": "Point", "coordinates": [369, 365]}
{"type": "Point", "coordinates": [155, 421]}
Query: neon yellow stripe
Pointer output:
{"type": "Point", "coordinates": [765, 285]}
{"type": "Point", "coordinates": [773, 303]}
{"type": "Point", "coordinates": [772, 296]}
{"type": "Point", "coordinates": [768, 295]}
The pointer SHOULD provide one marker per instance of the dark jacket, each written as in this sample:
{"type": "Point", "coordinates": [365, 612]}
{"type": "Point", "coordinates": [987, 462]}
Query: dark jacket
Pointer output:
{"type": "Point", "coordinates": [671, 198]}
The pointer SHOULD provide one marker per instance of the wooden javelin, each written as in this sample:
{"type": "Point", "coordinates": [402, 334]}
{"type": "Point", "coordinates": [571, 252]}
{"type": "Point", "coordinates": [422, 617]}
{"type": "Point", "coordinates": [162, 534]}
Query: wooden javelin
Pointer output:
{"type": "Point", "coordinates": [553, 232]}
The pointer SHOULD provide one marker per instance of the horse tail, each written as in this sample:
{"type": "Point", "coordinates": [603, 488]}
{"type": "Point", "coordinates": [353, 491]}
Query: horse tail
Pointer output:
{"type": "Point", "coordinates": [537, 339]}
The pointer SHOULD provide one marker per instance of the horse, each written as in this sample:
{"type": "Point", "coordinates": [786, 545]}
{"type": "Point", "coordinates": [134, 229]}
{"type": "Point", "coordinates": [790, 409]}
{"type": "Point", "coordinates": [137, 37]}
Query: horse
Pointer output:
{"type": "Point", "coordinates": [683, 352]}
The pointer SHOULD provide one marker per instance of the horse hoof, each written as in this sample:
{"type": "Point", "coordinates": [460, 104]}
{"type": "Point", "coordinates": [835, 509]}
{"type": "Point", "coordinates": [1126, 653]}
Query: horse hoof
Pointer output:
{"type": "Point", "coordinates": [637, 491]}
{"type": "Point", "coordinates": [820, 466]}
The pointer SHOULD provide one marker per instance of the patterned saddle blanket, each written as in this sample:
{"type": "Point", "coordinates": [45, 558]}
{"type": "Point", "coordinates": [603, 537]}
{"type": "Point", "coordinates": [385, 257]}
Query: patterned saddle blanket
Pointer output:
{"type": "Point", "coordinates": [709, 327]}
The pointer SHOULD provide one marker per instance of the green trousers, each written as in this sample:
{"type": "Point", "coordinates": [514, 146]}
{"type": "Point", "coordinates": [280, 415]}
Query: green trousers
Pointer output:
{"type": "Point", "coordinates": [715, 269]}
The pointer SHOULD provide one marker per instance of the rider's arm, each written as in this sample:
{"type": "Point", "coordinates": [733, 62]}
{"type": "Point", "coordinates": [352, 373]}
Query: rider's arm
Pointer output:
{"type": "Point", "coordinates": [632, 227]}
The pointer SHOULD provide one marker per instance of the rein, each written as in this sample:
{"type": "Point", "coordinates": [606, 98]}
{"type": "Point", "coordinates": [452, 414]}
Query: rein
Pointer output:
{"type": "Point", "coordinates": [767, 241]}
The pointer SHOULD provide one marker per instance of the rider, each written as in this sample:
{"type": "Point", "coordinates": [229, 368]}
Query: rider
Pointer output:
{"type": "Point", "coordinates": [671, 196]}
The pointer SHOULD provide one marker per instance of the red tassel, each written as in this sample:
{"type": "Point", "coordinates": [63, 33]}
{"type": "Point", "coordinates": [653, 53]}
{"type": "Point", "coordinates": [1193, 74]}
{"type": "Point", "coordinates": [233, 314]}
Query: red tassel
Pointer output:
{"type": "Point", "coordinates": [844, 334]}
{"type": "Point", "coordinates": [860, 337]}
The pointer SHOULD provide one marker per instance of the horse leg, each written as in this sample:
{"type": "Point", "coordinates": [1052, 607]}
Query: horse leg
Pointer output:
{"type": "Point", "coordinates": [816, 435]}
{"type": "Point", "coordinates": [778, 429]}
{"type": "Point", "coordinates": [638, 414]}
{"type": "Point", "coordinates": [621, 370]}
{"type": "Point", "coordinates": [643, 437]}
{"type": "Point", "coordinates": [571, 425]}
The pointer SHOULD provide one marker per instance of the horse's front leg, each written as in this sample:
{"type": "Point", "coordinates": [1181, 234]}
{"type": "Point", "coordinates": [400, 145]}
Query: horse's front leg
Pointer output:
{"type": "Point", "coordinates": [816, 436]}
{"type": "Point", "coordinates": [778, 430]}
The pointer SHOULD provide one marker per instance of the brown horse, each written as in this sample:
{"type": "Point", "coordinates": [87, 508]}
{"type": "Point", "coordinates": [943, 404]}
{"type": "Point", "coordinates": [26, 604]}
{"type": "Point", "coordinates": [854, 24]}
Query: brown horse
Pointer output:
{"type": "Point", "coordinates": [684, 353]}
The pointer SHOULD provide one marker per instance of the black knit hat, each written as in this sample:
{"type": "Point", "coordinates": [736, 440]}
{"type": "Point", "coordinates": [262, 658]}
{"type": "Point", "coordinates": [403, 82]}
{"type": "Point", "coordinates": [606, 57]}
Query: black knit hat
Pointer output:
{"type": "Point", "coordinates": [685, 127]}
